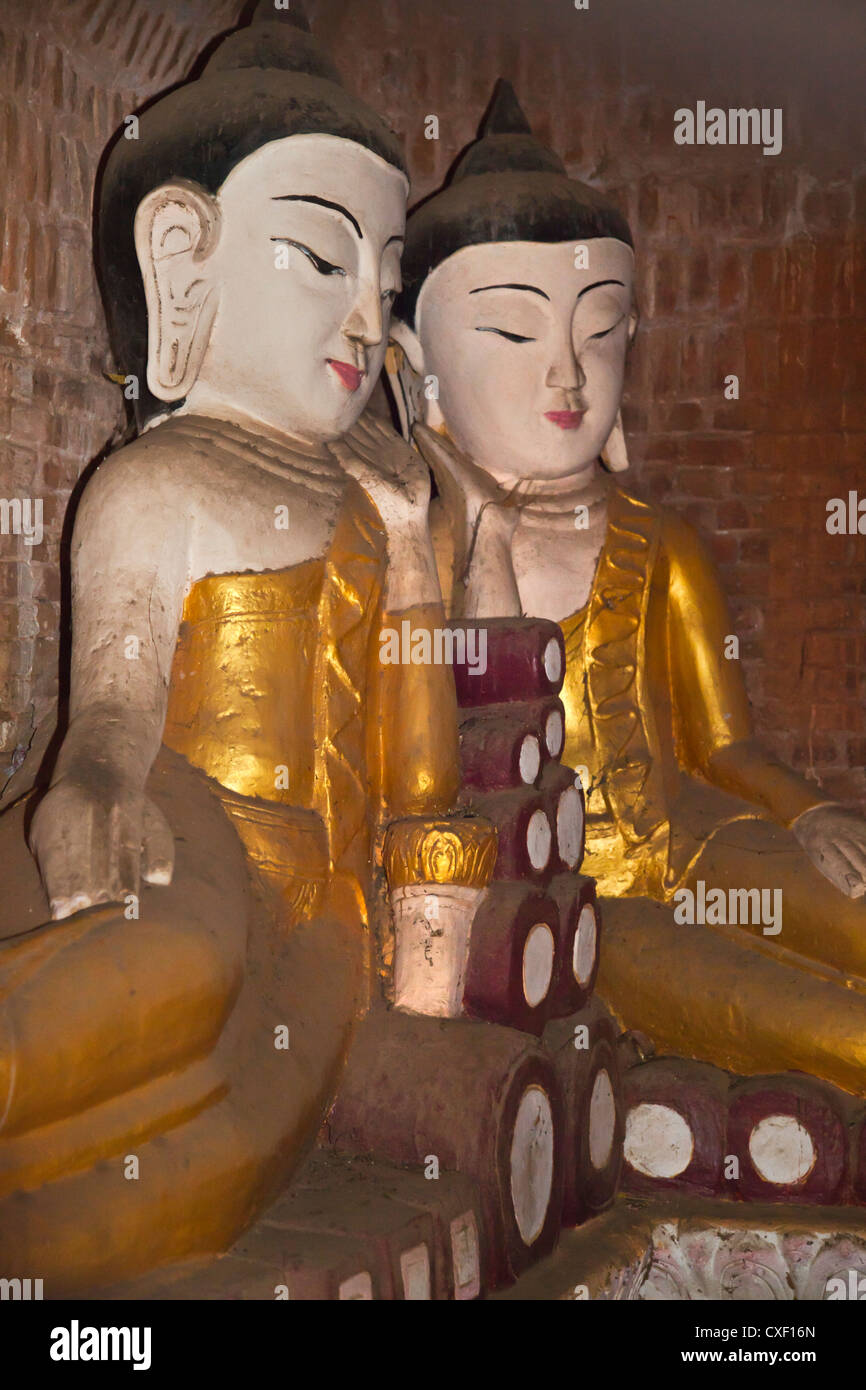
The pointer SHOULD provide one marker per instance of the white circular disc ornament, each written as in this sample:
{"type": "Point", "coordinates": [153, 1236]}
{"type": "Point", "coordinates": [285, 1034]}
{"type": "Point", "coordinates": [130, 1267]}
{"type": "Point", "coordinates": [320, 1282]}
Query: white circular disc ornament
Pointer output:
{"type": "Point", "coordinates": [532, 1162]}
{"type": "Point", "coordinates": [569, 826]}
{"type": "Point", "coordinates": [602, 1120]}
{"type": "Point", "coordinates": [781, 1149]}
{"type": "Point", "coordinates": [552, 661]}
{"type": "Point", "coordinates": [530, 759]}
{"type": "Point", "coordinates": [538, 955]}
{"type": "Point", "coordinates": [658, 1142]}
{"type": "Point", "coordinates": [584, 951]}
{"type": "Point", "coordinates": [539, 840]}
{"type": "Point", "coordinates": [554, 732]}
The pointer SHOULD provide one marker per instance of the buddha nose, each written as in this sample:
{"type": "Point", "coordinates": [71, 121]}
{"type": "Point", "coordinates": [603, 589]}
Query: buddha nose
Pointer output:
{"type": "Point", "coordinates": [364, 324]}
{"type": "Point", "coordinates": [566, 373]}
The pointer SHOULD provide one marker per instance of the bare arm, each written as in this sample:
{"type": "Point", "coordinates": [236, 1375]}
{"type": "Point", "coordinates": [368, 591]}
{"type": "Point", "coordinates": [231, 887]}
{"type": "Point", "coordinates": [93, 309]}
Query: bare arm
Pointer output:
{"type": "Point", "coordinates": [716, 728]}
{"type": "Point", "coordinates": [95, 833]}
{"type": "Point", "coordinates": [711, 706]}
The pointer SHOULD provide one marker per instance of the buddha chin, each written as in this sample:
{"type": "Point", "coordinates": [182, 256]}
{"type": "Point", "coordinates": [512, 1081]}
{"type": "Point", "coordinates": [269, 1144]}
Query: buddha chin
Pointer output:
{"type": "Point", "coordinates": [519, 301]}
{"type": "Point", "coordinates": [183, 940]}
{"type": "Point", "coordinates": [529, 379]}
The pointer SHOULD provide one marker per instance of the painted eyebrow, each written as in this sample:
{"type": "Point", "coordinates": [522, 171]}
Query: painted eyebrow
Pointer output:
{"type": "Point", "coordinates": [394, 238]}
{"type": "Point", "coordinates": [322, 203]}
{"type": "Point", "coordinates": [531, 288]}
{"type": "Point", "coordinates": [598, 283]}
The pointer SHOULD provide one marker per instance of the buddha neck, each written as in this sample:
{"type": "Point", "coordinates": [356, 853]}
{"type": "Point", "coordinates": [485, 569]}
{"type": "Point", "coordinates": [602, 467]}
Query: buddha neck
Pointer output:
{"type": "Point", "coordinates": [264, 447]}
{"type": "Point", "coordinates": [542, 500]}
{"type": "Point", "coordinates": [204, 403]}
{"type": "Point", "coordinates": [546, 500]}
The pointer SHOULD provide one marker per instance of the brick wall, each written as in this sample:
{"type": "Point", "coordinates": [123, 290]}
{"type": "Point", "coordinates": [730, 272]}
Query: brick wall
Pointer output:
{"type": "Point", "coordinates": [748, 265]}
{"type": "Point", "coordinates": [70, 70]}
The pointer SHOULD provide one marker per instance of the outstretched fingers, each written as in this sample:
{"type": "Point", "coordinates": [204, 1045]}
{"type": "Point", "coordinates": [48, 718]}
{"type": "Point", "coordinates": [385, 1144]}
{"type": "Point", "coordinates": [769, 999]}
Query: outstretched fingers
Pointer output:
{"type": "Point", "coordinates": [855, 872]}
{"type": "Point", "coordinates": [157, 846]}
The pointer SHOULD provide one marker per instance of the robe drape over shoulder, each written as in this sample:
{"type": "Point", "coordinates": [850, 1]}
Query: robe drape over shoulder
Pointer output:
{"type": "Point", "coordinates": [657, 712]}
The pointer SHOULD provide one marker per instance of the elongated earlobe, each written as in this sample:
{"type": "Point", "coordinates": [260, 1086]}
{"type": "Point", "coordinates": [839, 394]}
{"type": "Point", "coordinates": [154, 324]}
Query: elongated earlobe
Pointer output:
{"type": "Point", "coordinates": [176, 230]}
{"type": "Point", "coordinates": [415, 393]}
{"type": "Point", "coordinates": [614, 454]}
{"type": "Point", "coordinates": [406, 337]}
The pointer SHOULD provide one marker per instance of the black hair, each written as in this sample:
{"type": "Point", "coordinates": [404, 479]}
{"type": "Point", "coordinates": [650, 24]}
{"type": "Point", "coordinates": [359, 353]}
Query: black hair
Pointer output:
{"type": "Point", "coordinates": [506, 187]}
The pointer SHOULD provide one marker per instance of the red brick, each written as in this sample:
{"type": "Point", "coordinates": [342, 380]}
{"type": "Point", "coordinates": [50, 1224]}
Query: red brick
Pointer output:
{"type": "Point", "coordinates": [798, 277]}
{"type": "Point", "coordinates": [746, 201]}
{"type": "Point", "coordinates": [731, 280]}
{"type": "Point", "coordinates": [648, 204]}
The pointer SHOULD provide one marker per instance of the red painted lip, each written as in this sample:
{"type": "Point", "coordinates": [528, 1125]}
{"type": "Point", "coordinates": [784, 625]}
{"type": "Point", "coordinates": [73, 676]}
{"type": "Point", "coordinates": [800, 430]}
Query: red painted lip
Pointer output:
{"type": "Point", "coordinates": [350, 376]}
{"type": "Point", "coordinates": [565, 419]}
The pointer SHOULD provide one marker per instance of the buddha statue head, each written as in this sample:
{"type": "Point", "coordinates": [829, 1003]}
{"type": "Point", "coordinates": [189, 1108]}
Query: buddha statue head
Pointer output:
{"type": "Point", "coordinates": [518, 301]}
{"type": "Point", "coordinates": [249, 238]}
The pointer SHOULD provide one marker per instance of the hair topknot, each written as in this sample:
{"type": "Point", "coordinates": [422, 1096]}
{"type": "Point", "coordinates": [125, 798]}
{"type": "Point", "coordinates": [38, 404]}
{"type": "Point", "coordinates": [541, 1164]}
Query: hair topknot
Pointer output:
{"type": "Point", "coordinates": [507, 186]}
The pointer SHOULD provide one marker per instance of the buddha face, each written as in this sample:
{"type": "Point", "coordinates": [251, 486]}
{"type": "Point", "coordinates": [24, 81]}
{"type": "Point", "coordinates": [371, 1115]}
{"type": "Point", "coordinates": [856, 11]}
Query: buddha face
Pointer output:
{"type": "Point", "coordinates": [273, 299]}
{"type": "Point", "coordinates": [528, 352]}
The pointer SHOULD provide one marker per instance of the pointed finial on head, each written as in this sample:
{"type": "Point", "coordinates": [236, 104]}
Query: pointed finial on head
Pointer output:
{"type": "Point", "coordinates": [505, 115]}
{"type": "Point", "coordinates": [276, 39]}
{"type": "Point", "coordinates": [267, 11]}
{"type": "Point", "coordinates": [505, 142]}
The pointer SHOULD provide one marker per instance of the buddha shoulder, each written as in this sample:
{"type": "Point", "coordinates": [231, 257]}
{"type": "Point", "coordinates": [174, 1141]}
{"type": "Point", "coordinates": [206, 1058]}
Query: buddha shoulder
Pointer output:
{"type": "Point", "coordinates": [686, 553]}
{"type": "Point", "coordinates": [683, 561]}
{"type": "Point", "coordinates": [215, 486]}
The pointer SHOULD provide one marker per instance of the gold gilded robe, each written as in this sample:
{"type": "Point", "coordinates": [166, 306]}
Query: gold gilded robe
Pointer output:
{"type": "Point", "coordinates": [154, 1035]}
{"type": "Point", "coordinates": [679, 792]}
{"type": "Point", "coordinates": [657, 713]}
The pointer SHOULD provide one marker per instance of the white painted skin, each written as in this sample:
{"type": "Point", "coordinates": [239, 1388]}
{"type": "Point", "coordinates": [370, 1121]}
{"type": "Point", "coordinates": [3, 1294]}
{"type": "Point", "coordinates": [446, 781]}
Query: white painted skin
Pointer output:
{"type": "Point", "coordinates": [245, 342]}
{"type": "Point", "coordinates": [532, 1162]}
{"type": "Point", "coordinates": [494, 395]}
{"type": "Point", "coordinates": [782, 1149]}
{"type": "Point", "coordinates": [602, 1120]}
{"type": "Point", "coordinates": [538, 957]}
{"type": "Point", "coordinates": [658, 1141]}
{"type": "Point", "coordinates": [274, 330]}
{"type": "Point", "coordinates": [563, 364]}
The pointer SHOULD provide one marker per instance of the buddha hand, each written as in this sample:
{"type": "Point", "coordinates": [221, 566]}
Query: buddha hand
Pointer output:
{"type": "Point", "coordinates": [467, 491]}
{"type": "Point", "coordinates": [487, 516]}
{"type": "Point", "coordinates": [834, 837]}
{"type": "Point", "coordinates": [94, 838]}
{"type": "Point", "coordinates": [390, 472]}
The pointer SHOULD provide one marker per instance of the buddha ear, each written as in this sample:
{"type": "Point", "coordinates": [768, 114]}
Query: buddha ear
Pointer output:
{"type": "Point", "coordinates": [614, 454]}
{"type": "Point", "coordinates": [176, 230]}
{"type": "Point", "coordinates": [409, 341]}
{"type": "Point", "coordinates": [414, 395]}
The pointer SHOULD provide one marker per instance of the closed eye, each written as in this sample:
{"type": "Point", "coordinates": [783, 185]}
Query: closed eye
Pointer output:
{"type": "Point", "coordinates": [322, 266]}
{"type": "Point", "coordinates": [512, 337]}
{"type": "Point", "coordinates": [605, 331]}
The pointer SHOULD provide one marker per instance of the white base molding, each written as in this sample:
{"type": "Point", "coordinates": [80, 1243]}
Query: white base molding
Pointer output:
{"type": "Point", "coordinates": [700, 1249]}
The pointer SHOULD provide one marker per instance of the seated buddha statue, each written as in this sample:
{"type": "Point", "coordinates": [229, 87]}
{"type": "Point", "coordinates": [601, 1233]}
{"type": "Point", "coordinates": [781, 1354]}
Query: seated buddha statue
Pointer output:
{"type": "Point", "coordinates": [185, 927]}
{"type": "Point", "coordinates": [512, 335]}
